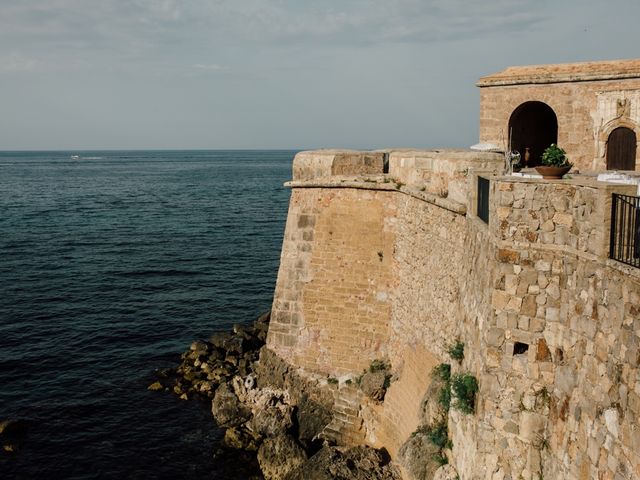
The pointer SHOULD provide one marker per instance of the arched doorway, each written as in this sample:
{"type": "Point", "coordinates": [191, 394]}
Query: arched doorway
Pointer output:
{"type": "Point", "coordinates": [533, 125]}
{"type": "Point", "coordinates": [621, 149]}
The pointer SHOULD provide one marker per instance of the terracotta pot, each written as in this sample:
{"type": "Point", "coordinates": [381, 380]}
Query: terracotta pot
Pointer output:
{"type": "Point", "coordinates": [552, 173]}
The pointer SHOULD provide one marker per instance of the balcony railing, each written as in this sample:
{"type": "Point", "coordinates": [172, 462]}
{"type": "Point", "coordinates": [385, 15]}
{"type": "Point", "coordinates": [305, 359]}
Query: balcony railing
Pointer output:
{"type": "Point", "coordinates": [625, 229]}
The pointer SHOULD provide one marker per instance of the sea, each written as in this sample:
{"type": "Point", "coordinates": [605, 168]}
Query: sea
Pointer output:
{"type": "Point", "coordinates": [111, 264]}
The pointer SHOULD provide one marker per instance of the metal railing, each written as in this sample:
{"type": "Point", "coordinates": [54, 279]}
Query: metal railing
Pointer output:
{"type": "Point", "coordinates": [482, 206]}
{"type": "Point", "coordinates": [625, 229]}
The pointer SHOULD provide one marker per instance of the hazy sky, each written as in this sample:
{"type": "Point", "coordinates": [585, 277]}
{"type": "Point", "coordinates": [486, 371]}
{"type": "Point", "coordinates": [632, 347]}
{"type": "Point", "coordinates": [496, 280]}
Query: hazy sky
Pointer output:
{"type": "Point", "coordinates": [93, 74]}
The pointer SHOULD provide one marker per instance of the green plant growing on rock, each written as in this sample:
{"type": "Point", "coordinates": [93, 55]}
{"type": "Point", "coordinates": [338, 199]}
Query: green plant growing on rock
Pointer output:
{"type": "Point", "coordinates": [464, 387]}
{"type": "Point", "coordinates": [441, 459]}
{"type": "Point", "coordinates": [332, 380]}
{"type": "Point", "coordinates": [442, 372]}
{"type": "Point", "coordinates": [379, 366]}
{"type": "Point", "coordinates": [444, 397]}
{"type": "Point", "coordinates": [456, 351]}
{"type": "Point", "coordinates": [438, 434]}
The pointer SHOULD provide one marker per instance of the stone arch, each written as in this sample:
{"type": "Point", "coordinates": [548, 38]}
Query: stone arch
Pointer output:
{"type": "Point", "coordinates": [533, 125]}
{"type": "Point", "coordinates": [605, 134]}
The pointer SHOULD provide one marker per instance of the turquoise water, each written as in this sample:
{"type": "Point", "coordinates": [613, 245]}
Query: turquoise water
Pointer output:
{"type": "Point", "coordinates": [110, 265]}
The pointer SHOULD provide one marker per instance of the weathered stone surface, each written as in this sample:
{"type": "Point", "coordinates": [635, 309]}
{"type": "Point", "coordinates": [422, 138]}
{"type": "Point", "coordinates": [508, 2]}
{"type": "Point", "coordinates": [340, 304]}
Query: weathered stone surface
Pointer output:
{"type": "Point", "coordinates": [278, 456]}
{"type": "Point", "coordinates": [273, 420]}
{"type": "Point", "coordinates": [240, 439]}
{"type": "Point", "coordinates": [373, 384]}
{"type": "Point", "coordinates": [312, 417]}
{"type": "Point", "coordinates": [227, 409]}
{"type": "Point", "coordinates": [446, 472]}
{"type": "Point", "coordinates": [417, 457]}
{"type": "Point", "coordinates": [357, 463]}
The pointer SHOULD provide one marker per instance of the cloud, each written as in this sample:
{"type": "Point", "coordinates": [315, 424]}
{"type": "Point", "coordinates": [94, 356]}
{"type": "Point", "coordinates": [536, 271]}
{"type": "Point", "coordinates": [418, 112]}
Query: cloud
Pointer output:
{"type": "Point", "coordinates": [15, 62]}
{"type": "Point", "coordinates": [211, 67]}
{"type": "Point", "coordinates": [150, 28]}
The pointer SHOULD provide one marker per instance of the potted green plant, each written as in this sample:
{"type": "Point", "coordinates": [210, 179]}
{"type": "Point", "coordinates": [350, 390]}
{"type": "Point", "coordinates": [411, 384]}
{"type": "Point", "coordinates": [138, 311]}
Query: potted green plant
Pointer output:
{"type": "Point", "coordinates": [554, 163]}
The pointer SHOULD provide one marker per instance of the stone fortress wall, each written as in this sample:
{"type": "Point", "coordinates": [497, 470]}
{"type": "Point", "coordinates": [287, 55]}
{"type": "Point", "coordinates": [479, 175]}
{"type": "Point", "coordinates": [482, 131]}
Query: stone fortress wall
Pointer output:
{"type": "Point", "coordinates": [398, 266]}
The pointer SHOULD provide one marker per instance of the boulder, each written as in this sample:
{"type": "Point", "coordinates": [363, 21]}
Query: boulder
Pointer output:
{"type": "Point", "coordinates": [239, 438]}
{"type": "Point", "coordinates": [418, 457]}
{"type": "Point", "coordinates": [446, 472]}
{"type": "Point", "coordinates": [155, 386]}
{"type": "Point", "coordinates": [357, 463]}
{"type": "Point", "coordinates": [278, 456]}
{"type": "Point", "coordinates": [272, 420]}
{"type": "Point", "coordinates": [311, 417]}
{"type": "Point", "coordinates": [227, 409]}
{"type": "Point", "coordinates": [374, 384]}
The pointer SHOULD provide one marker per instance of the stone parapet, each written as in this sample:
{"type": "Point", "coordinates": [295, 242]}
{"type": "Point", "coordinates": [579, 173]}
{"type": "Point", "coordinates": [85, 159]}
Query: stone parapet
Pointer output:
{"type": "Point", "coordinates": [572, 216]}
{"type": "Point", "coordinates": [325, 163]}
{"type": "Point", "coordinates": [442, 172]}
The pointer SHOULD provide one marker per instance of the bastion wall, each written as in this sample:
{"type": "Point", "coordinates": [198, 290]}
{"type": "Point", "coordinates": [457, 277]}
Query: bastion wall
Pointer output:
{"type": "Point", "coordinates": [391, 266]}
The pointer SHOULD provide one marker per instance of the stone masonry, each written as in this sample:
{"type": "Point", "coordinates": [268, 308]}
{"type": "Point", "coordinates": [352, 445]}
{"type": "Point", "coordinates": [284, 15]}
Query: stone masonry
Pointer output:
{"type": "Point", "coordinates": [377, 267]}
{"type": "Point", "coordinates": [589, 99]}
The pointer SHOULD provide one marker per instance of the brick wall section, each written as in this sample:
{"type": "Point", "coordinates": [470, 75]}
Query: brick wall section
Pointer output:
{"type": "Point", "coordinates": [586, 114]}
{"type": "Point", "coordinates": [333, 291]}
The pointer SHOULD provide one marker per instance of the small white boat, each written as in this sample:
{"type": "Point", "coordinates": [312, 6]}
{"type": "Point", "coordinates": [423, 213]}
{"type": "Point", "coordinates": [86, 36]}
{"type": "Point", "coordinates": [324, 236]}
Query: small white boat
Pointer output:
{"type": "Point", "coordinates": [75, 157]}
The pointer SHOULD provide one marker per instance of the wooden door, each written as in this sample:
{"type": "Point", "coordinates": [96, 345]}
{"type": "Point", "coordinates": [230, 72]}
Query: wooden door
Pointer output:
{"type": "Point", "coordinates": [621, 149]}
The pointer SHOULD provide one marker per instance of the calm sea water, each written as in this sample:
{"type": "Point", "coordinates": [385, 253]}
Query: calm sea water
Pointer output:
{"type": "Point", "coordinates": [110, 265]}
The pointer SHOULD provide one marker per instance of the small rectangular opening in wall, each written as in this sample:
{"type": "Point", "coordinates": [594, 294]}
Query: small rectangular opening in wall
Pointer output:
{"type": "Point", "coordinates": [482, 207]}
{"type": "Point", "coordinates": [385, 162]}
{"type": "Point", "coordinates": [519, 348]}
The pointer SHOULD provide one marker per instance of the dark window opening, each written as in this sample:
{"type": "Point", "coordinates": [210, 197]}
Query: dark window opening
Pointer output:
{"type": "Point", "coordinates": [385, 162]}
{"type": "Point", "coordinates": [482, 207]}
{"type": "Point", "coordinates": [533, 126]}
{"type": "Point", "coordinates": [519, 348]}
{"type": "Point", "coordinates": [621, 149]}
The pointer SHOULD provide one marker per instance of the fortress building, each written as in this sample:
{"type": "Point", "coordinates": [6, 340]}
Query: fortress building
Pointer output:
{"type": "Point", "coordinates": [591, 109]}
{"type": "Point", "coordinates": [406, 257]}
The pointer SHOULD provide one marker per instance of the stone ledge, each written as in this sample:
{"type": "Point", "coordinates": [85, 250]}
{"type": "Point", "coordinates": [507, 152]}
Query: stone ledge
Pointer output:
{"type": "Point", "coordinates": [564, 72]}
{"type": "Point", "coordinates": [380, 183]}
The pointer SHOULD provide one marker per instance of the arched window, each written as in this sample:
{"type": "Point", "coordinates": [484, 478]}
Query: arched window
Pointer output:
{"type": "Point", "coordinates": [533, 126]}
{"type": "Point", "coordinates": [621, 149]}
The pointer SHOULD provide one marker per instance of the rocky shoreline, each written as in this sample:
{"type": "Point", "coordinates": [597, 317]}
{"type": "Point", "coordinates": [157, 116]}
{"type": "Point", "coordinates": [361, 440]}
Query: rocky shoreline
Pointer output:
{"type": "Point", "coordinates": [265, 412]}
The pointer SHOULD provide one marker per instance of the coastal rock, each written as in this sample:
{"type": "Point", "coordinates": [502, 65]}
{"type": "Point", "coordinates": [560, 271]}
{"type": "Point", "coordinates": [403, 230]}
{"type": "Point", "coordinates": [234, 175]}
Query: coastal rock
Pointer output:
{"type": "Point", "coordinates": [272, 421]}
{"type": "Point", "coordinates": [155, 386]}
{"type": "Point", "coordinates": [446, 472]}
{"type": "Point", "coordinates": [374, 384]}
{"type": "Point", "coordinates": [11, 434]}
{"type": "Point", "coordinates": [432, 411]}
{"type": "Point", "coordinates": [357, 463]}
{"type": "Point", "coordinates": [311, 418]}
{"type": "Point", "coordinates": [418, 457]}
{"type": "Point", "coordinates": [278, 456]}
{"type": "Point", "coordinates": [239, 438]}
{"type": "Point", "coordinates": [227, 409]}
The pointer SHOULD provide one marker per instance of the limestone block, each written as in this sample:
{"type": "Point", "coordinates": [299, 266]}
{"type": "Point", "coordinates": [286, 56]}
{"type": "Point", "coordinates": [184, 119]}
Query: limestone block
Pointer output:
{"type": "Point", "coordinates": [495, 337]}
{"type": "Point", "coordinates": [532, 426]}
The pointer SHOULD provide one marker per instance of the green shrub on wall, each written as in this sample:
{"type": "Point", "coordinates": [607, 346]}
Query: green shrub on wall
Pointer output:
{"type": "Point", "coordinates": [456, 351]}
{"type": "Point", "coordinates": [465, 388]}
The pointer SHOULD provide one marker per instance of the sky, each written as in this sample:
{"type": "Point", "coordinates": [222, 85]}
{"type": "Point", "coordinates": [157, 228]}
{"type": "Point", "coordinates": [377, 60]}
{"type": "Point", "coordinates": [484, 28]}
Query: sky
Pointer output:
{"type": "Point", "coordinates": [218, 74]}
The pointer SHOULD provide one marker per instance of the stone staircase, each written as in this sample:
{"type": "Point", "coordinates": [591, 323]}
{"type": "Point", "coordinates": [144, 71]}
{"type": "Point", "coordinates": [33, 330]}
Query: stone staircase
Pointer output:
{"type": "Point", "coordinates": [346, 428]}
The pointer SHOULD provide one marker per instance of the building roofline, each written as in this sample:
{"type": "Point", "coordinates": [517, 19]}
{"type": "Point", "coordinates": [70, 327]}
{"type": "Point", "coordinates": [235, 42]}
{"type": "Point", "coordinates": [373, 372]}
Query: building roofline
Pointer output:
{"type": "Point", "coordinates": [563, 72]}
